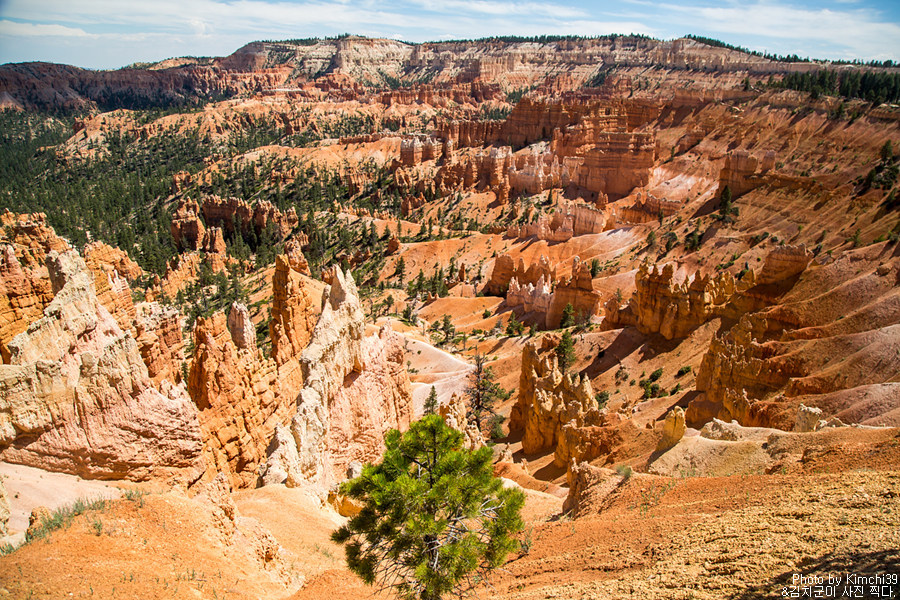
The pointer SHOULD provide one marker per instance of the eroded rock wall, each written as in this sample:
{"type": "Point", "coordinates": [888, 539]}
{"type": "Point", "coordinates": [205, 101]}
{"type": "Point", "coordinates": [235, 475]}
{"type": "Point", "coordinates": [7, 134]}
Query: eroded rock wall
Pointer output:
{"type": "Point", "coordinates": [355, 388]}
{"type": "Point", "coordinates": [830, 343]}
{"type": "Point", "coordinates": [662, 305]}
{"type": "Point", "coordinates": [234, 389]}
{"type": "Point", "coordinates": [77, 397]}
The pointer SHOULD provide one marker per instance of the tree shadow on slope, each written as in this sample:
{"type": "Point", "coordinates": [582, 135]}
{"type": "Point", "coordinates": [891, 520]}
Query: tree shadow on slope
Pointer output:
{"type": "Point", "coordinates": [851, 562]}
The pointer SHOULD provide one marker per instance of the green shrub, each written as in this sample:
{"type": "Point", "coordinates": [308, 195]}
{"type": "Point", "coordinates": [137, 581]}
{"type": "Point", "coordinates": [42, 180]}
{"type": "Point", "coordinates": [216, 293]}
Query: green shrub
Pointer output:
{"type": "Point", "coordinates": [63, 517]}
{"type": "Point", "coordinates": [624, 471]}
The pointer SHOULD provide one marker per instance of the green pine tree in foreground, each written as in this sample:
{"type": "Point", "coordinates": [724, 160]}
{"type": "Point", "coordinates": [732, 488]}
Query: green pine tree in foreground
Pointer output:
{"type": "Point", "coordinates": [435, 521]}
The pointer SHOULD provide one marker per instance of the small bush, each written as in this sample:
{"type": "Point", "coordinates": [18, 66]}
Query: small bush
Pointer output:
{"type": "Point", "coordinates": [63, 517]}
{"type": "Point", "coordinates": [526, 541]}
{"type": "Point", "coordinates": [624, 471]}
{"type": "Point", "coordinates": [497, 427]}
{"type": "Point", "coordinates": [97, 526]}
{"type": "Point", "coordinates": [683, 371]}
{"type": "Point", "coordinates": [655, 375]}
{"type": "Point", "coordinates": [602, 398]}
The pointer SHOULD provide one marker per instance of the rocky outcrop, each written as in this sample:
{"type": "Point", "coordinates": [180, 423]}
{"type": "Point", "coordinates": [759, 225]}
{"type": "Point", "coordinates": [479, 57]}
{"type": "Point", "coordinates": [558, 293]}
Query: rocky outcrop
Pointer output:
{"type": "Point", "coordinates": [532, 298]}
{"type": "Point", "coordinates": [454, 415]}
{"type": "Point", "coordinates": [101, 257]}
{"type": "Point", "coordinates": [744, 172]}
{"type": "Point", "coordinates": [617, 162]}
{"type": "Point", "coordinates": [578, 290]}
{"type": "Point", "coordinates": [568, 221]}
{"type": "Point", "coordinates": [187, 228]}
{"type": "Point", "coordinates": [662, 305]}
{"type": "Point", "coordinates": [241, 328]}
{"type": "Point", "coordinates": [444, 95]}
{"type": "Point", "coordinates": [506, 268]}
{"type": "Point", "coordinates": [220, 216]}
{"type": "Point", "coordinates": [393, 245]}
{"type": "Point", "coordinates": [24, 293]}
{"type": "Point", "coordinates": [4, 510]}
{"type": "Point", "coordinates": [293, 318]}
{"type": "Point", "coordinates": [830, 342]}
{"type": "Point", "coordinates": [263, 216]}
{"type": "Point", "coordinates": [532, 289]}
{"type": "Point", "coordinates": [181, 271]}
{"type": "Point", "coordinates": [111, 285]}
{"type": "Point", "coordinates": [809, 418]}
{"type": "Point", "coordinates": [158, 331]}
{"type": "Point", "coordinates": [234, 389]}
{"type": "Point", "coordinates": [581, 477]}
{"type": "Point", "coordinates": [32, 237]}
{"type": "Point", "coordinates": [591, 442]}
{"type": "Point", "coordinates": [548, 400]}
{"type": "Point", "coordinates": [784, 262]}
{"type": "Point", "coordinates": [77, 397]}
{"type": "Point", "coordinates": [25, 287]}
{"type": "Point", "coordinates": [673, 429]}
{"type": "Point", "coordinates": [355, 388]}
{"type": "Point", "coordinates": [245, 534]}
{"type": "Point", "coordinates": [646, 208]}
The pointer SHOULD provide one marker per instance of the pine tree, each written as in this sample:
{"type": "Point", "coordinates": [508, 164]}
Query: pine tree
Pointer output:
{"type": "Point", "coordinates": [887, 151]}
{"type": "Point", "coordinates": [435, 521]}
{"type": "Point", "coordinates": [565, 352]}
{"type": "Point", "coordinates": [726, 195]}
{"type": "Point", "coordinates": [431, 403]}
{"type": "Point", "coordinates": [448, 329]}
{"type": "Point", "coordinates": [568, 316]}
{"type": "Point", "coordinates": [483, 393]}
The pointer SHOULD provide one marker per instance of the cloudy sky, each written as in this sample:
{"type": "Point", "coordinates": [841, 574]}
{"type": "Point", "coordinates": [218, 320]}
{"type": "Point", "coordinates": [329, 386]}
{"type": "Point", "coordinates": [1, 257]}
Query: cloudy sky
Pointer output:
{"type": "Point", "coordinates": [113, 33]}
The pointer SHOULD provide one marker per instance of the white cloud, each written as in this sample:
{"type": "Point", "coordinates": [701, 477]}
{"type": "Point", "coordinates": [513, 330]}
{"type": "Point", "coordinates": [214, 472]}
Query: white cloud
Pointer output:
{"type": "Point", "coordinates": [16, 29]}
{"type": "Point", "coordinates": [852, 33]}
{"type": "Point", "coordinates": [522, 10]}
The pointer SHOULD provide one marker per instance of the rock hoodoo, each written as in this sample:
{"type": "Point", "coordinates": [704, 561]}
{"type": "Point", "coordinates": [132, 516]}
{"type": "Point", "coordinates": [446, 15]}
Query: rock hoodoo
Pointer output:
{"type": "Point", "coordinates": [549, 399]}
{"type": "Point", "coordinates": [355, 388]}
{"type": "Point", "coordinates": [673, 429]}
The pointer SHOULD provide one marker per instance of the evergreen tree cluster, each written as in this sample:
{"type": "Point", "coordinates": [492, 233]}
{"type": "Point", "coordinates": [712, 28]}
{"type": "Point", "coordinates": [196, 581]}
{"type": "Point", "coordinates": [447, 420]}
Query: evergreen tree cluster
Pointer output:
{"type": "Point", "coordinates": [114, 197]}
{"type": "Point", "coordinates": [869, 85]}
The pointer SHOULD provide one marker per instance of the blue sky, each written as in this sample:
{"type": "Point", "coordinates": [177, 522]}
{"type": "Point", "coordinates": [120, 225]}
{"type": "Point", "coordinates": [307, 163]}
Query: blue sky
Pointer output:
{"type": "Point", "coordinates": [113, 33]}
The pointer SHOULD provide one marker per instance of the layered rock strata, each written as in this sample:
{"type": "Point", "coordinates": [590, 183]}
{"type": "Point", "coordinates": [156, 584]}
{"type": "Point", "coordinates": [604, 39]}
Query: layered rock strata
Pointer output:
{"type": "Point", "coordinates": [830, 343]}
{"type": "Point", "coordinates": [25, 287]}
{"type": "Point", "coordinates": [506, 269]}
{"type": "Point", "coordinates": [234, 389]}
{"type": "Point", "coordinates": [569, 221]}
{"type": "Point", "coordinates": [744, 172]}
{"type": "Point", "coordinates": [158, 331]}
{"type": "Point", "coordinates": [662, 305]}
{"type": "Point", "coordinates": [77, 397]}
{"type": "Point", "coordinates": [355, 389]}
{"type": "Point", "coordinates": [577, 291]}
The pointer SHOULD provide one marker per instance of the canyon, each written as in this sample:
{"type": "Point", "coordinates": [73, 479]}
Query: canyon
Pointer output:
{"type": "Point", "coordinates": [337, 230]}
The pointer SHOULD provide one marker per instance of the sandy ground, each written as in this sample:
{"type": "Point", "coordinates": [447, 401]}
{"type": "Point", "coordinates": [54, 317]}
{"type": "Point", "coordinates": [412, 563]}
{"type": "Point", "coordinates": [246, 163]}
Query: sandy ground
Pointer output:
{"type": "Point", "coordinates": [28, 488]}
{"type": "Point", "coordinates": [435, 367]}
